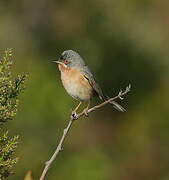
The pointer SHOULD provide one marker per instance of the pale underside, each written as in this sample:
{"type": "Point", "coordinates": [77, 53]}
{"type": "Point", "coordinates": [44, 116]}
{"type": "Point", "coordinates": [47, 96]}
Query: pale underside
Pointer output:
{"type": "Point", "coordinates": [75, 83]}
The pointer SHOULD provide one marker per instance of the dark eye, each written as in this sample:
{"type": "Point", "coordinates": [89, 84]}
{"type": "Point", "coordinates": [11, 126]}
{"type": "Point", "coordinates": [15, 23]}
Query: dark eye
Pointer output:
{"type": "Point", "coordinates": [66, 61]}
{"type": "Point", "coordinates": [62, 57]}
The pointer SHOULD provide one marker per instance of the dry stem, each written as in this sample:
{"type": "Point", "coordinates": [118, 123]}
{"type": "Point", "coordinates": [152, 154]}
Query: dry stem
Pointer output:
{"type": "Point", "coordinates": [72, 119]}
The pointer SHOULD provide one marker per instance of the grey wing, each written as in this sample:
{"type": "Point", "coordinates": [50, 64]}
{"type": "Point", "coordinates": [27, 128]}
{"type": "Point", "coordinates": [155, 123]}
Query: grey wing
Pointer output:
{"type": "Point", "coordinates": [92, 81]}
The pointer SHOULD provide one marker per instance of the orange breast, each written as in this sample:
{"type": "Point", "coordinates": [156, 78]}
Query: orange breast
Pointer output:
{"type": "Point", "coordinates": [75, 83]}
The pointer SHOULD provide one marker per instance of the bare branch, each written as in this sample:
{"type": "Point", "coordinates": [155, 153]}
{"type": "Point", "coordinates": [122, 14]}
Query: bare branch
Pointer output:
{"type": "Point", "coordinates": [58, 149]}
{"type": "Point", "coordinates": [72, 119]}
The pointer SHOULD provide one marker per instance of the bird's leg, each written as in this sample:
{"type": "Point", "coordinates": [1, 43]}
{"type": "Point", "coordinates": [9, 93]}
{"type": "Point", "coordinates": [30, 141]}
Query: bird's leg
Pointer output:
{"type": "Point", "coordinates": [86, 109]}
{"type": "Point", "coordinates": [77, 107]}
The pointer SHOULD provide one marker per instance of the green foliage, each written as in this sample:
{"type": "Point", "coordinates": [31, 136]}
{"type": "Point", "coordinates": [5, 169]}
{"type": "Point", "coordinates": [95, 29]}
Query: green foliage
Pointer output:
{"type": "Point", "coordinates": [8, 146]}
{"type": "Point", "coordinates": [9, 92]}
{"type": "Point", "coordinates": [9, 89]}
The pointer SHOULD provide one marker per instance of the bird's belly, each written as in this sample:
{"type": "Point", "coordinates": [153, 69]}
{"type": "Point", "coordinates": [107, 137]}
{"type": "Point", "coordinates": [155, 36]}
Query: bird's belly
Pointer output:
{"type": "Point", "coordinates": [76, 85]}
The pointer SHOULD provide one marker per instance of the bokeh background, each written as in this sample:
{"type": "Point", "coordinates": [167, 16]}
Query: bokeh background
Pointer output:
{"type": "Point", "coordinates": [124, 41]}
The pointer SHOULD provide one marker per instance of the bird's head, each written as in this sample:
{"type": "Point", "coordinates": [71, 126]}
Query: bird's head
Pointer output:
{"type": "Point", "coordinates": [70, 59]}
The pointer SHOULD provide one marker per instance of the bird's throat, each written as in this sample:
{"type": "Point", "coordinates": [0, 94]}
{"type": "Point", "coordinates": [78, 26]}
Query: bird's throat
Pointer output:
{"type": "Point", "coordinates": [63, 67]}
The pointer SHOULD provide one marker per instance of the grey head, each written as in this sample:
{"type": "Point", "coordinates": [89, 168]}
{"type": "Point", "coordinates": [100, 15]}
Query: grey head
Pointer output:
{"type": "Point", "coordinates": [71, 59]}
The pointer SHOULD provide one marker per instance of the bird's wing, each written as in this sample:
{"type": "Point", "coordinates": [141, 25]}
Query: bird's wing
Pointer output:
{"type": "Point", "coordinates": [92, 81]}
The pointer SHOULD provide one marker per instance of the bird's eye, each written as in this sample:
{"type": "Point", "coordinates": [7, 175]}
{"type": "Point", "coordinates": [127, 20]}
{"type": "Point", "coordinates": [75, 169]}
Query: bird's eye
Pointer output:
{"type": "Point", "coordinates": [66, 61]}
{"type": "Point", "coordinates": [62, 57]}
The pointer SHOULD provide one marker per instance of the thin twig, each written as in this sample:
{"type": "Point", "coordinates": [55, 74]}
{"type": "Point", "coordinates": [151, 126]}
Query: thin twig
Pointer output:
{"type": "Point", "coordinates": [72, 119]}
{"type": "Point", "coordinates": [58, 149]}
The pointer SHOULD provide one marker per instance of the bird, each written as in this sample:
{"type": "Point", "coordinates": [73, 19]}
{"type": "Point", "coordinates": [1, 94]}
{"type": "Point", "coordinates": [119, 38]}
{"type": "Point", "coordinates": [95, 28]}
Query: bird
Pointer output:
{"type": "Point", "coordinates": [79, 81]}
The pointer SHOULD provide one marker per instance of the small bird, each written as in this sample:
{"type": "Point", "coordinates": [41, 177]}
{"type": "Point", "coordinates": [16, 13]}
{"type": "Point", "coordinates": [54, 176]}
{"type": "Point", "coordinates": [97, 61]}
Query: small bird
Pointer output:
{"type": "Point", "coordinates": [79, 81]}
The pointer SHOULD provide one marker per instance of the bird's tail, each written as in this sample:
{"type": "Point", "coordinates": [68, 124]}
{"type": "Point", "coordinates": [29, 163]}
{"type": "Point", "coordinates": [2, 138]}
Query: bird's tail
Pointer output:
{"type": "Point", "coordinates": [117, 106]}
{"type": "Point", "coordinates": [114, 103]}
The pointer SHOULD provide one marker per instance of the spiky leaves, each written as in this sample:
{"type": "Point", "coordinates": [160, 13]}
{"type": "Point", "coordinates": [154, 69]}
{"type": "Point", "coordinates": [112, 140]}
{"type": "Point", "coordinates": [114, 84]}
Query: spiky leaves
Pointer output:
{"type": "Point", "coordinates": [9, 92]}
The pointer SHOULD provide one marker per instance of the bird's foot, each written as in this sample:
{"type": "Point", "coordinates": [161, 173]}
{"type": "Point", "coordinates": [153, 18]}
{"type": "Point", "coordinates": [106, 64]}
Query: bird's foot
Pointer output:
{"type": "Point", "coordinates": [74, 115]}
{"type": "Point", "coordinates": [86, 111]}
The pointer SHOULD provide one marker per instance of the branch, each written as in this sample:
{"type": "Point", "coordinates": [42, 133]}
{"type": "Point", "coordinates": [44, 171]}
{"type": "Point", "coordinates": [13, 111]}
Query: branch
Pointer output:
{"type": "Point", "coordinates": [72, 119]}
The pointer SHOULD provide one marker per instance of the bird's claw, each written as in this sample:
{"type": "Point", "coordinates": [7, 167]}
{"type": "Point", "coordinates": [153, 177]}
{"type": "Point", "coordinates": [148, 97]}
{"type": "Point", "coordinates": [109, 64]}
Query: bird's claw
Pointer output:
{"type": "Point", "coordinates": [74, 115]}
{"type": "Point", "coordinates": [86, 112]}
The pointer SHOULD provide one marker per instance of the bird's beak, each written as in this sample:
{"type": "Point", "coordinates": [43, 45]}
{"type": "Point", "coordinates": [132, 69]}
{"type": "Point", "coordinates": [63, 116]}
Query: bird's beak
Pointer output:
{"type": "Point", "coordinates": [56, 62]}
{"type": "Point", "coordinates": [59, 62]}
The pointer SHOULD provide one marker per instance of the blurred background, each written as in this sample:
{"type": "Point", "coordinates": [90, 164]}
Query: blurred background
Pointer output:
{"type": "Point", "coordinates": [124, 41]}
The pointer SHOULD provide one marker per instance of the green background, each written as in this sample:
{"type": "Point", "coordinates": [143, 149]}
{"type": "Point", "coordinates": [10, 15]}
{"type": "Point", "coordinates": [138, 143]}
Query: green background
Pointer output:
{"type": "Point", "coordinates": [123, 42]}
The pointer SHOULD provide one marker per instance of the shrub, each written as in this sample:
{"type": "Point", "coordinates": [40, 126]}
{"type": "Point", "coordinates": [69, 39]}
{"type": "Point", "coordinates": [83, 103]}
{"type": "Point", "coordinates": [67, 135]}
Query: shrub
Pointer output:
{"type": "Point", "coordinates": [10, 89]}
